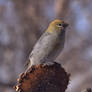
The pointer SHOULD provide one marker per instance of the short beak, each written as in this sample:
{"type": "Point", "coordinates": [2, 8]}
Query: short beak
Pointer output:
{"type": "Point", "coordinates": [65, 25]}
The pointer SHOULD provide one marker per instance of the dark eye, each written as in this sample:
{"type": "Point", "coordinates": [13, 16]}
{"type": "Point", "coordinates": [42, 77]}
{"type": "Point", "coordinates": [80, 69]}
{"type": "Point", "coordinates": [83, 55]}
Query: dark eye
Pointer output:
{"type": "Point", "coordinates": [59, 25]}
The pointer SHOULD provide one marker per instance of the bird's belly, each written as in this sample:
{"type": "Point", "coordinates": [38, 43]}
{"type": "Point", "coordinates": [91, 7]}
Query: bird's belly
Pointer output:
{"type": "Point", "coordinates": [42, 49]}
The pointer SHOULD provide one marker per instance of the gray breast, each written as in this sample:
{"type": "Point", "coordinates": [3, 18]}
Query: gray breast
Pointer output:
{"type": "Point", "coordinates": [43, 47]}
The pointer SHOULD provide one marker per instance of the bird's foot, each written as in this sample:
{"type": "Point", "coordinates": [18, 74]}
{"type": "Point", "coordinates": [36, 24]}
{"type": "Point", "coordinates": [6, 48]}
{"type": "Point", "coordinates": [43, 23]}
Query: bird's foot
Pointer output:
{"type": "Point", "coordinates": [48, 63]}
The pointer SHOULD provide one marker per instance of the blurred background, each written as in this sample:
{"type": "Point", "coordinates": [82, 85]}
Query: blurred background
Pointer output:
{"type": "Point", "coordinates": [23, 21]}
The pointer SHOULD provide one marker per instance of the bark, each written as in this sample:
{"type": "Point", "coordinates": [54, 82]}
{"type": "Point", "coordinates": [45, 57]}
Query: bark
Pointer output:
{"type": "Point", "coordinates": [43, 78]}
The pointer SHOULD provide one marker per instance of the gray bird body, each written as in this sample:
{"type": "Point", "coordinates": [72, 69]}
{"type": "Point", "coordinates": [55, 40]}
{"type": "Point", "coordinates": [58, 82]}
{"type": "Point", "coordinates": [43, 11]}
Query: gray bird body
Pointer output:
{"type": "Point", "coordinates": [43, 47]}
{"type": "Point", "coordinates": [49, 45]}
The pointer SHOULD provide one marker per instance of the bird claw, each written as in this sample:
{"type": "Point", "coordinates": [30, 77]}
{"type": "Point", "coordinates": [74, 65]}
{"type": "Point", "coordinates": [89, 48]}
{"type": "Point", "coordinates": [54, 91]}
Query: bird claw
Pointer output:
{"type": "Point", "coordinates": [48, 63]}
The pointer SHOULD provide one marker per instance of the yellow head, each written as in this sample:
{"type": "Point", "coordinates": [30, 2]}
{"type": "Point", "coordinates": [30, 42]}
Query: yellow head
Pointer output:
{"type": "Point", "coordinates": [57, 26]}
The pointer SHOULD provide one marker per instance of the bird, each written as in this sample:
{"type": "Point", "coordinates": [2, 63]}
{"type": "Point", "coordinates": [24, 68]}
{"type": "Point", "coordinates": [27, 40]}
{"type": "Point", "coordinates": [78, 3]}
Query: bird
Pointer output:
{"type": "Point", "coordinates": [48, 45]}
